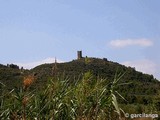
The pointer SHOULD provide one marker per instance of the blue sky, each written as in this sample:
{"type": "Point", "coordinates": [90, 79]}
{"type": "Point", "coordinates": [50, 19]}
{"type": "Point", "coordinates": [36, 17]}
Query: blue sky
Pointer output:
{"type": "Point", "coordinates": [125, 31]}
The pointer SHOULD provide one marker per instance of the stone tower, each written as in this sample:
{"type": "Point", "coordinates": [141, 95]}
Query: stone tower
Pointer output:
{"type": "Point", "coordinates": [79, 54]}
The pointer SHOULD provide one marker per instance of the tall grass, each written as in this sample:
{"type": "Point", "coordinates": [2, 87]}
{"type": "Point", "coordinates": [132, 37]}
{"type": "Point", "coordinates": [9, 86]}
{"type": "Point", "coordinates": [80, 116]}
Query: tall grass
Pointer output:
{"type": "Point", "coordinates": [89, 98]}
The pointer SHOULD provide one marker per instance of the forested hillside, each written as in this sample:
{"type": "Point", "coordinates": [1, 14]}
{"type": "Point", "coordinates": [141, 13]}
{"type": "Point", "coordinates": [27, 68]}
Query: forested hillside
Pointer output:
{"type": "Point", "coordinates": [141, 91]}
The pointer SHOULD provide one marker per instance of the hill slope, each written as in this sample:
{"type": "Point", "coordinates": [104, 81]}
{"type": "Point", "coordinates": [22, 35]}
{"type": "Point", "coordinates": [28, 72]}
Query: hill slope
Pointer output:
{"type": "Point", "coordinates": [100, 68]}
{"type": "Point", "coordinates": [140, 84]}
{"type": "Point", "coordinates": [10, 76]}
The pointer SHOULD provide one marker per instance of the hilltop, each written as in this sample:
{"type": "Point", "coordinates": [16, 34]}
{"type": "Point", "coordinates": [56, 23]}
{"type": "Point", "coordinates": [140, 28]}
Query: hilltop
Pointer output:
{"type": "Point", "coordinates": [141, 91]}
{"type": "Point", "coordinates": [140, 85]}
{"type": "Point", "coordinates": [102, 68]}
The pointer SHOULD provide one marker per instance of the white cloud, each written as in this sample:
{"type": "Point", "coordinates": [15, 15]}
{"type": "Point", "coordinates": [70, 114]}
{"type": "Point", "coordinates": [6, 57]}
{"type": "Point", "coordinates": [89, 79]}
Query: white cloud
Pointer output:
{"type": "Point", "coordinates": [145, 66]}
{"type": "Point", "coordinates": [36, 63]}
{"type": "Point", "coordinates": [131, 42]}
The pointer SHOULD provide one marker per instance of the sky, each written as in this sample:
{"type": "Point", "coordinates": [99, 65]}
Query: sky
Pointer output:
{"type": "Point", "coordinates": [33, 32]}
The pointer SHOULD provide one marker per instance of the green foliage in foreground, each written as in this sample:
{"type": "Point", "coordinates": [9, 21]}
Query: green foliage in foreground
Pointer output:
{"type": "Point", "coordinates": [88, 98]}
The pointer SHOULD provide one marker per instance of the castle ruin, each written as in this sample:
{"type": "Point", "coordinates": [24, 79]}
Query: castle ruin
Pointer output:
{"type": "Point", "coordinates": [79, 54]}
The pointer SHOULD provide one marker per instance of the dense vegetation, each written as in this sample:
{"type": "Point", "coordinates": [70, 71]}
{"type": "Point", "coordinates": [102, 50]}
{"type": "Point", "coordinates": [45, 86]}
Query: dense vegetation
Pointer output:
{"type": "Point", "coordinates": [73, 90]}
{"type": "Point", "coordinates": [88, 98]}
{"type": "Point", "coordinates": [140, 84]}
